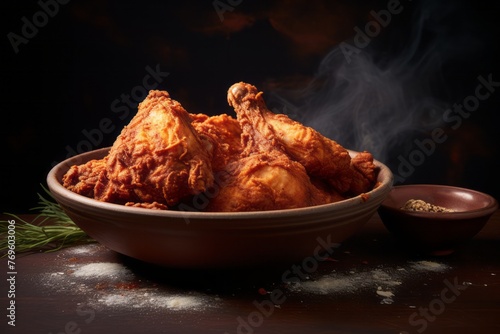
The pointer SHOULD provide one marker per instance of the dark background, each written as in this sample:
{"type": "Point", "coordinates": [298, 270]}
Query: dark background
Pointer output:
{"type": "Point", "coordinates": [63, 81]}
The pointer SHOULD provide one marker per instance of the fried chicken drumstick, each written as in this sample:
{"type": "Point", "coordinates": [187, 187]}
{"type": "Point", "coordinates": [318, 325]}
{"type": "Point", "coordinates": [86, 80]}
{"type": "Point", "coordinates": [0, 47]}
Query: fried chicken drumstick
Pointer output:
{"type": "Point", "coordinates": [322, 157]}
{"type": "Point", "coordinates": [264, 178]}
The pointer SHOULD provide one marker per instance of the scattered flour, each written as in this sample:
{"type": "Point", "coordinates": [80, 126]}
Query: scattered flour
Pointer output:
{"type": "Point", "coordinates": [181, 302]}
{"type": "Point", "coordinates": [139, 299]}
{"type": "Point", "coordinates": [386, 294]}
{"type": "Point", "coordinates": [330, 284]}
{"type": "Point", "coordinates": [345, 283]}
{"type": "Point", "coordinates": [382, 277]}
{"type": "Point", "coordinates": [110, 284]}
{"type": "Point", "coordinates": [429, 266]}
{"type": "Point", "coordinates": [384, 281]}
{"type": "Point", "coordinates": [87, 249]}
{"type": "Point", "coordinates": [108, 270]}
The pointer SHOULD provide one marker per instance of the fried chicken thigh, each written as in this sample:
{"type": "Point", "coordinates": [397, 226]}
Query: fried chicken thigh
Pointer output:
{"type": "Point", "coordinates": [265, 181]}
{"type": "Point", "coordinates": [156, 161]}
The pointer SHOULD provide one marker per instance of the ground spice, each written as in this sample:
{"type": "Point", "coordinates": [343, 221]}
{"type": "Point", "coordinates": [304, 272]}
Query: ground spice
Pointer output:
{"type": "Point", "coordinates": [420, 205]}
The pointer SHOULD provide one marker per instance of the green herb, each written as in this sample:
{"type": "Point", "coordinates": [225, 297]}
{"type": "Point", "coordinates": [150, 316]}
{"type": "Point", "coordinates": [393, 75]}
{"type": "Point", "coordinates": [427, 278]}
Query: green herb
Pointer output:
{"type": "Point", "coordinates": [50, 230]}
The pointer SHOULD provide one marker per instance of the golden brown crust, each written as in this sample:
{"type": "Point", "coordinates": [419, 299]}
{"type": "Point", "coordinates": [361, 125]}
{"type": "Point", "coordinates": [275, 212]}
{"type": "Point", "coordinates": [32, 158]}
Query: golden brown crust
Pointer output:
{"type": "Point", "coordinates": [82, 179]}
{"type": "Point", "coordinates": [322, 157]}
{"type": "Point", "coordinates": [158, 157]}
{"type": "Point", "coordinates": [223, 133]}
{"type": "Point", "coordinates": [267, 177]}
{"type": "Point", "coordinates": [166, 156]}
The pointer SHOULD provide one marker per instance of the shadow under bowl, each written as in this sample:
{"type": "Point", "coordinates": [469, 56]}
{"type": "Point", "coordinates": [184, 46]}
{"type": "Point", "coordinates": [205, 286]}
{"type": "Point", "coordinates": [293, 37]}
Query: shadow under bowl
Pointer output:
{"type": "Point", "coordinates": [436, 233]}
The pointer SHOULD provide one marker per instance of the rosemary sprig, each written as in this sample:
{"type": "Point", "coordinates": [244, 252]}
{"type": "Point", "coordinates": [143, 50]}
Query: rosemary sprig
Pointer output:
{"type": "Point", "coordinates": [49, 231]}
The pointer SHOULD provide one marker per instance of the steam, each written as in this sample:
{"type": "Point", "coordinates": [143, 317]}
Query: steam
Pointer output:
{"type": "Point", "coordinates": [378, 98]}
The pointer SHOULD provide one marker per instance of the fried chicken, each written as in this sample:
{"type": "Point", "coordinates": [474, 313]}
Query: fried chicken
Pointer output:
{"type": "Point", "coordinates": [264, 178]}
{"type": "Point", "coordinates": [157, 160]}
{"type": "Point", "coordinates": [364, 173]}
{"type": "Point", "coordinates": [265, 181]}
{"type": "Point", "coordinates": [82, 179]}
{"type": "Point", "coordinates": [223, 134]}
{"type": "Point", "coordinates": [165, 157]}
{"type": "Point", "coordinates": [322, 157]}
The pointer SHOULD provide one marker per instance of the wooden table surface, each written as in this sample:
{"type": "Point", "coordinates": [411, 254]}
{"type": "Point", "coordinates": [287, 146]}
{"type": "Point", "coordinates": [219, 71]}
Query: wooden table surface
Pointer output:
{"type": "Point", "coordinates": [370, 284]}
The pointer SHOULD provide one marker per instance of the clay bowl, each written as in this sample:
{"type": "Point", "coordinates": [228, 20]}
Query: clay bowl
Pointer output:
{"type": "Point", "coordinates": [436, 233]}
{"type": "Point", "coordinates": [200, 240]}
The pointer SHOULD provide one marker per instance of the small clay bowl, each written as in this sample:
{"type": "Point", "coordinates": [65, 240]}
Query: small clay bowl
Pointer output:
{"type": "Point", "coordinates": [436, 233]}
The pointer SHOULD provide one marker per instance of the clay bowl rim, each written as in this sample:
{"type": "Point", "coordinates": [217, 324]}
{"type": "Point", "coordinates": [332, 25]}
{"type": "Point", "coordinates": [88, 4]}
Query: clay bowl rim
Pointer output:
{"type": "Point", "coordinates": [385, 179]}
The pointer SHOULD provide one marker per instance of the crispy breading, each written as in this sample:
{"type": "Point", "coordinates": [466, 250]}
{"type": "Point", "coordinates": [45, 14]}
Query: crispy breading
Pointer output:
{"type": "Point", "coordinates": [265, 178]}
{"type": "Point", "coordinates": [323, 158]}
{"type": "Point", "coordinates": [158, 157]}
{"type": "Point", "coordinates": [223, 133]}
{"type": "Point", "coordinates": [166, 157]}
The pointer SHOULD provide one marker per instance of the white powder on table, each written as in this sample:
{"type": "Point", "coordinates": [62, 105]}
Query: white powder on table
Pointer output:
{"type": "Point", "coordinates": [180, 302]}
{"type": "Point", "coordinates": [345, 283]}
{"type": "Point", "coordinates": [139, 299]}
{"type": "Point", "coordinates": [87, 249]}
{"type": "Point", "coordinates": [383, 280]}
{"type": "Point", "coordinates": [113, 285]}
{"type": "Point", "coordinates": [387, 296]}
{"type": "Point", "coordinates": [329, 284]}
{"type": "Point", "coordinates": [429, 266]}
{"type": "Point", "coordinates": [107, 270]}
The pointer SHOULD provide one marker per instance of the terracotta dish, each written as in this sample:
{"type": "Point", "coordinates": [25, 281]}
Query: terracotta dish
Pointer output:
{"type": "Point", "coordinates": [209, 240]}
{"type": "Point", "coordinates": [436, 233]}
